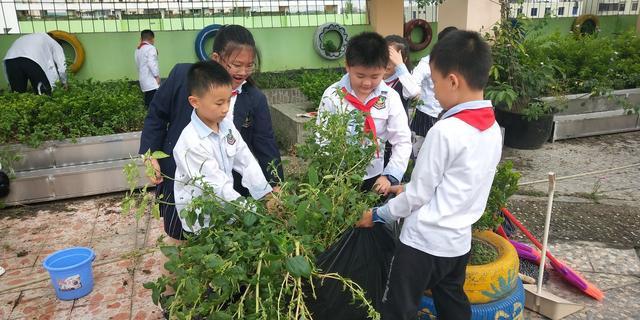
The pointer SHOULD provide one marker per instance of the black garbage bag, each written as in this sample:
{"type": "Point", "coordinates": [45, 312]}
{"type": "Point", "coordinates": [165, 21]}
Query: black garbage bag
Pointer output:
{"type": "Point", "coordinates": [362, 255]}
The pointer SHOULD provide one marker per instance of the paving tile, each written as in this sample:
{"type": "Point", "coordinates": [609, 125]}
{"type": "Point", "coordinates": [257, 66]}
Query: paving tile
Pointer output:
{"type": "Point", "coordinates": [605, 281]}
{"type": "Point", "coordinates": [143, 307]}
{"type": "Point", "coordinates": [7, 301]}
{"type": "Point", "coordinates": [615, 261]}
{"type": "Point", "coordinates": [112, 310]}
{"type": "Point", "coordinates": [620, 303]}
{"type": "Point", "coordinates": [112, 247]}
{"type": "Point", "coordinates": [110, 288]}
{"type": "Point", "coordinates": [575, 256]}
{"type": "Point", "coordinates": [41, 303]}
{"type": "Point", "coordinates": [114, 268]}
{"type": "Point", "coordinates": [27, 261]}
{"type": "Point", "coordinates": [110, 223]}
{"type": "Point", "coordinates": [22, 276]}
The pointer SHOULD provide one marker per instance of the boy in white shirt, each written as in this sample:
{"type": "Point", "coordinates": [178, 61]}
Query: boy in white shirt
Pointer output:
{"type": "Point", "coordinates": [147, 62]}
{"type": "Point", "coordinates": [362, 89]}
{"type": "Point", "coordinates": [210, 146]}
{"type": "Point", "coordinates": [449, 186]}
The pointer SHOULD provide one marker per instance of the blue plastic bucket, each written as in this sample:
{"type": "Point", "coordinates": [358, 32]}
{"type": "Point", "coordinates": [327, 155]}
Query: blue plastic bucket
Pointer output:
{"type": "Point", "coordinates": [70, 271]}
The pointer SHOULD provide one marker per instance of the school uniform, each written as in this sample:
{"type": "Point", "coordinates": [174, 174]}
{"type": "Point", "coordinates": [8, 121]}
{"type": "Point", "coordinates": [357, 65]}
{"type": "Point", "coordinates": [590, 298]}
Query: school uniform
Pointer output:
{"type": "Point", "coordinates": [35, 58]}
{"type": "Point", "coordinates": [170, 112]}
{"type": "Point", "coordinates": [429, 109]}
{"type": "Point", "coordinates": [201, 152]}
{"type": "Point", "coordinates": [447, 193]}
{"type": "Point", "coordinates": [385, 117]}
{"type": "Point", "coordinates": [146, 57]}
{"type": "Point", "coordinates": [402, 82]}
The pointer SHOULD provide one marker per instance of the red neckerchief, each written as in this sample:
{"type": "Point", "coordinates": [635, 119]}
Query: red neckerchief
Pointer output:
{"type": "Point", "coordinates": [369, 124]}
{"type": "Point", "coordinates": [481, 119]}
{"type": "Point", "coordinates": [234, 93]}
{"type": "Point", "coordinates": [392, 83]}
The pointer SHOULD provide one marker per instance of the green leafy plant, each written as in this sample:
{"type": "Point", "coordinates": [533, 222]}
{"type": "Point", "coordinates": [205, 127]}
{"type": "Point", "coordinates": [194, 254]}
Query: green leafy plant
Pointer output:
{"type": "Point", "coordinates": [258, 263]}
{"type": "Point", "coordinates": [517, 81]}
{"type": "Point", "coordinates": [314, 84]}
{"type": "Point", "coordinates": [505, 184]}
{"type": "Point", "coordinates": [482, 253]}
{"type": "Point", "coordinates": [88, 108]}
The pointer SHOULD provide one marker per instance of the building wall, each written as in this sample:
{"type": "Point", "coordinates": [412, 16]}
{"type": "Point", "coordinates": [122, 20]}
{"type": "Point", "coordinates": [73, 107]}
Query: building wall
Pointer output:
{"type": "Point", "coordinates": [110, 55]}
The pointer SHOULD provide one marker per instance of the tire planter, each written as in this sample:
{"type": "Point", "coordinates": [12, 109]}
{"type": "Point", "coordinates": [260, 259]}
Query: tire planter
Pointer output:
{"type": "Point", "coordinates": [510, 307]}
{"type": "Point", "coordinates": [521, 133]}
{"type": "Point", "coordinates": [496, 280]}
{"type": "Point", "coordinates": [585, 24]}
{"type": "Point", "coordinates": [73, 41]}
{"type": "Point", "coordinates": [204, 34]}
{"type": "Point", "coordinates": [318, 40]}
{"type": "Point", "coordinates": [427, 34]}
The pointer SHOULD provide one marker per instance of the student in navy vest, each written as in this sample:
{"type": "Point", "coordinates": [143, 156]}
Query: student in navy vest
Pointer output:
{"type": "Point", "coordinates": [170, 111]}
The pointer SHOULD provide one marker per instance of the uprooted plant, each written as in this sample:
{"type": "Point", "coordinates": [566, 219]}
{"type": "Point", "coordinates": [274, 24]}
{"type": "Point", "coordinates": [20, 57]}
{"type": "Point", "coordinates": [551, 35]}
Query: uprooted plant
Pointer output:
{"type": "Point", "coordinates": [255, 263]}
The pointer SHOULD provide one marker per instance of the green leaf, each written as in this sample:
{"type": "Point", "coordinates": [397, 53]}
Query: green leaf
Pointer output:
{"type": "Point", "coordinates": [249, 219]}
{"type": "Point", "coordinates": [213, 261]}
{"type": "Point", "coordinates": [298, 266]}
{"type": "Point", "coordinates": [313, 176]}
{"type": "Point", "coordinates": [159, 155]}
{"type": "Point", "coordinates": [169, 251]}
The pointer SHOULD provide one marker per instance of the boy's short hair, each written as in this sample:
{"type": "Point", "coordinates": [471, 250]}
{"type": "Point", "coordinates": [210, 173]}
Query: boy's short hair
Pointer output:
{"type": "Point", "coordinates": [367, 49]}
{"type": "Point", "coordinates": [204, 75]}
{"type": "Point", "coordinates": [446, 31]}
{"type": "Point", "coordinates": [146, 34]}
{"type": "Point", "coordinates": [464, 52]}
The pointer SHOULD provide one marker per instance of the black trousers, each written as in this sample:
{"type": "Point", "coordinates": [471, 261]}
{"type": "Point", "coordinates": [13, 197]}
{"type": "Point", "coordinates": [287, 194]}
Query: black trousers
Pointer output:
{"type": "Point", "coordinates": [148, 96]}
{"type": "Point", "coordinates": [20, 71]}
{"type": "Point", "coordinates": [413, 272]}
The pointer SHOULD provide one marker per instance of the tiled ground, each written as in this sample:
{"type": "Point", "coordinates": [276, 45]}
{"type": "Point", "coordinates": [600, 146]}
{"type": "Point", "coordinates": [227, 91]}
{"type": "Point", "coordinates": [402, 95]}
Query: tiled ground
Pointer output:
{"type": "Point", "coordinates": [28, 234]}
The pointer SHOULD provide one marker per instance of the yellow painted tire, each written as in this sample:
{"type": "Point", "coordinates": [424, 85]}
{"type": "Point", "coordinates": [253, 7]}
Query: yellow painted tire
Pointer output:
{"type": "Point", "coordinates": [580, 20]}
{"type": "Point", "coordinates": [75, 44]}
{"type": "Point", "coordinates": [492, 281]}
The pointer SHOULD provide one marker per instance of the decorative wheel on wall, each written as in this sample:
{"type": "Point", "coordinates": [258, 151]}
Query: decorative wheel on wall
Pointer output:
{"type": "Point", "coordinates": [586, 24]}
{"type": "Point", "coordinates": [73, 41]}
{"type": "Point", "coordinates": [427, 34]}
{"type": "Point", "coordinates": [327, 48]}
{"type": "Point", "coordinates": [202, 37]}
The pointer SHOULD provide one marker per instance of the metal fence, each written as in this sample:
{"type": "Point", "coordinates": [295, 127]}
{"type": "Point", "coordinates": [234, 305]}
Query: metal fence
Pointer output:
{"type": "Point", "coordinates": [560, 8]}
{"type": "Point", "coordinates": [412, 11]}
{"type": "Point", "coordinates": [78, 16]}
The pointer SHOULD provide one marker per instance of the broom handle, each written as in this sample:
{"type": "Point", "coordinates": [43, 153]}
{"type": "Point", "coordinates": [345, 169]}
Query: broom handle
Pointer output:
{"type": "Point", "coordinates": [547, 223]}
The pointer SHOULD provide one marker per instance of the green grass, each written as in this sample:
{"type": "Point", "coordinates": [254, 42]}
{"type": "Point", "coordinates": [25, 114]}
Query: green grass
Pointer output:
{"type": "Point", "coordinates": [482, 253]}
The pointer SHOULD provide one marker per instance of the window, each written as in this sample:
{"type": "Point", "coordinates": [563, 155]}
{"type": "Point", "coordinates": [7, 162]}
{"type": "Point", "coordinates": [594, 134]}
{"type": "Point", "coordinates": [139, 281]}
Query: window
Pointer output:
{"type": "Point", "coordinates": [634, 6]}
{"type": "Point", "coordinates": [603, 7]}
{"type": "Point", "coordinates": [520, 11]}
{"type": "Point", "coordinates": [534, 12]}
{"type": "Point", "coordinates": [621, 6]}
{"type": "Point", "coordinates": [574, 11]}
{"type": "Point", "coordinates": [547, 11]}
{"type": "Point", "coordinates": [561, 11]}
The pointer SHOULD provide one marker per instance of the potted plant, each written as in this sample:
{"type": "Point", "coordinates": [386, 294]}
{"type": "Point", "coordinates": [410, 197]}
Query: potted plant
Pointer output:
{"type": "Point", "coordinates": [516, 83]}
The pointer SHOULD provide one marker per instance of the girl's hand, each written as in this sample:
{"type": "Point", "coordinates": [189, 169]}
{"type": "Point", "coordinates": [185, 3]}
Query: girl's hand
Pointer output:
{"type": "Point", "coordinates": [156, 166]}
{"type": "Point", "coordinates": [395, 57]}
{"type": "Point", "coordinates": [366, 221]}
{"type": "Point", "coordinates": [382, 185]}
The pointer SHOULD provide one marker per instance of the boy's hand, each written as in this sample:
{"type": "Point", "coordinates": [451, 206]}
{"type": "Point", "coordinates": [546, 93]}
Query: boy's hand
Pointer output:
{"type": "Point", "coordinates": [366, 221]}
{"type": "Point", "coordinates": [156, 166]}
{"type": "Point", "coordinates": [272, 203]}
{"type": "Point", "coordinates": [275, 189]}
{"type": "Point", "coordinates": [398, 189]}
{"type": "Point", "coordinates": [382, 185]}
{"type": "Point", "coordinates": [395, 57]}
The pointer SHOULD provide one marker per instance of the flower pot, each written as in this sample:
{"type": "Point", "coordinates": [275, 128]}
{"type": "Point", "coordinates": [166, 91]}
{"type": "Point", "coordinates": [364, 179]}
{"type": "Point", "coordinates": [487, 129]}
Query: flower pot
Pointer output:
{"type": "Point", "coordinates": [521, 133]}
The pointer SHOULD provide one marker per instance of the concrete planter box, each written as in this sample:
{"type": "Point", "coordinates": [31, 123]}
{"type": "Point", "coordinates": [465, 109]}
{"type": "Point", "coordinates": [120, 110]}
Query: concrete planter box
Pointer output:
{"type": "Point", "coordinates": [67, 169]}
{"type": "Point", "coordinates": [589, 116]}
{"type": "Point", "coordinates": [287, 126]}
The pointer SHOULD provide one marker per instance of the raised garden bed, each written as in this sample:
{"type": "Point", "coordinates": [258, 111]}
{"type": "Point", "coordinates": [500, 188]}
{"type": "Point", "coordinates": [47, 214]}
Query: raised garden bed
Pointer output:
{"type": "Point", "coordinates": [589, 116]}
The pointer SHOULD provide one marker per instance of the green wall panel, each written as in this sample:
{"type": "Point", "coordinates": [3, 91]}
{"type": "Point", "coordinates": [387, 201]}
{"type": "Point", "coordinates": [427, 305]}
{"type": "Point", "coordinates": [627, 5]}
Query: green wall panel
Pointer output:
{"type": "Point", "coordinates": [110, 55]}
{"type": "Point", "coordinates": [608, 25]}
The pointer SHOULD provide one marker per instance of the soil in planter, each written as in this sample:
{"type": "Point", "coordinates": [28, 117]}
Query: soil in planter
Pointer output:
{"type": "Point", "coordinates": [482, 253]}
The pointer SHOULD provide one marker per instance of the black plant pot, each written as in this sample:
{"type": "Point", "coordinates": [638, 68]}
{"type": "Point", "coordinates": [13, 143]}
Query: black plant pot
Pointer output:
{"type": "Point", "coordinates": [521, 133]}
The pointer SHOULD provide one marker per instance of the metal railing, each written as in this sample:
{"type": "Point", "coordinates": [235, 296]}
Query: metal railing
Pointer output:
{"type": "Point", "coordinates": [562, 8]}
{"type": "Point", "coordinates": [79, 16]}
{"type": "Point", "coordinates": [412, 11]}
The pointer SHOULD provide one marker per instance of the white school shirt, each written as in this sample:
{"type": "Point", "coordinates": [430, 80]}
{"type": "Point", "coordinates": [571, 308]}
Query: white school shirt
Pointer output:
{"type": "Point", "coordinates": [391, 125]}
{"type": "Point", "coordinates": [410, 88]}
{"type": "Point", "coordinates": [449, 185]}
{"type": "Point", "coordinates": [147, 62]}
{"type": "Point", "coordinates": [200, 152]}
{"type": "Point", "coordinates": [232, 104]}
{"type": "Point", "coordinates": [422, 76]}
{"type": "Point", "coordinates": [43, 50]}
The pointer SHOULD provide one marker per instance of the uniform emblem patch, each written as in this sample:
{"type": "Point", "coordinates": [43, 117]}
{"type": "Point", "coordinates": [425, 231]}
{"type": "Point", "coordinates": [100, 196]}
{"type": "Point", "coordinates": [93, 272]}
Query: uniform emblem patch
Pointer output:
{"type": "Point", "coordinates": [231, 140]}
{"type": "Point", "coordinates": [380, 104]}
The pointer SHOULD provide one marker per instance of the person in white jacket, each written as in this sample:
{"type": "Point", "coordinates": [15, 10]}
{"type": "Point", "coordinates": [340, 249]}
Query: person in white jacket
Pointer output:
{"type": "Point", "coordinates": [35, 58]}
{"type": "Point", "coordinates": [449, 186]}
{"type": "Point", "coordinates": [147, 62]}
